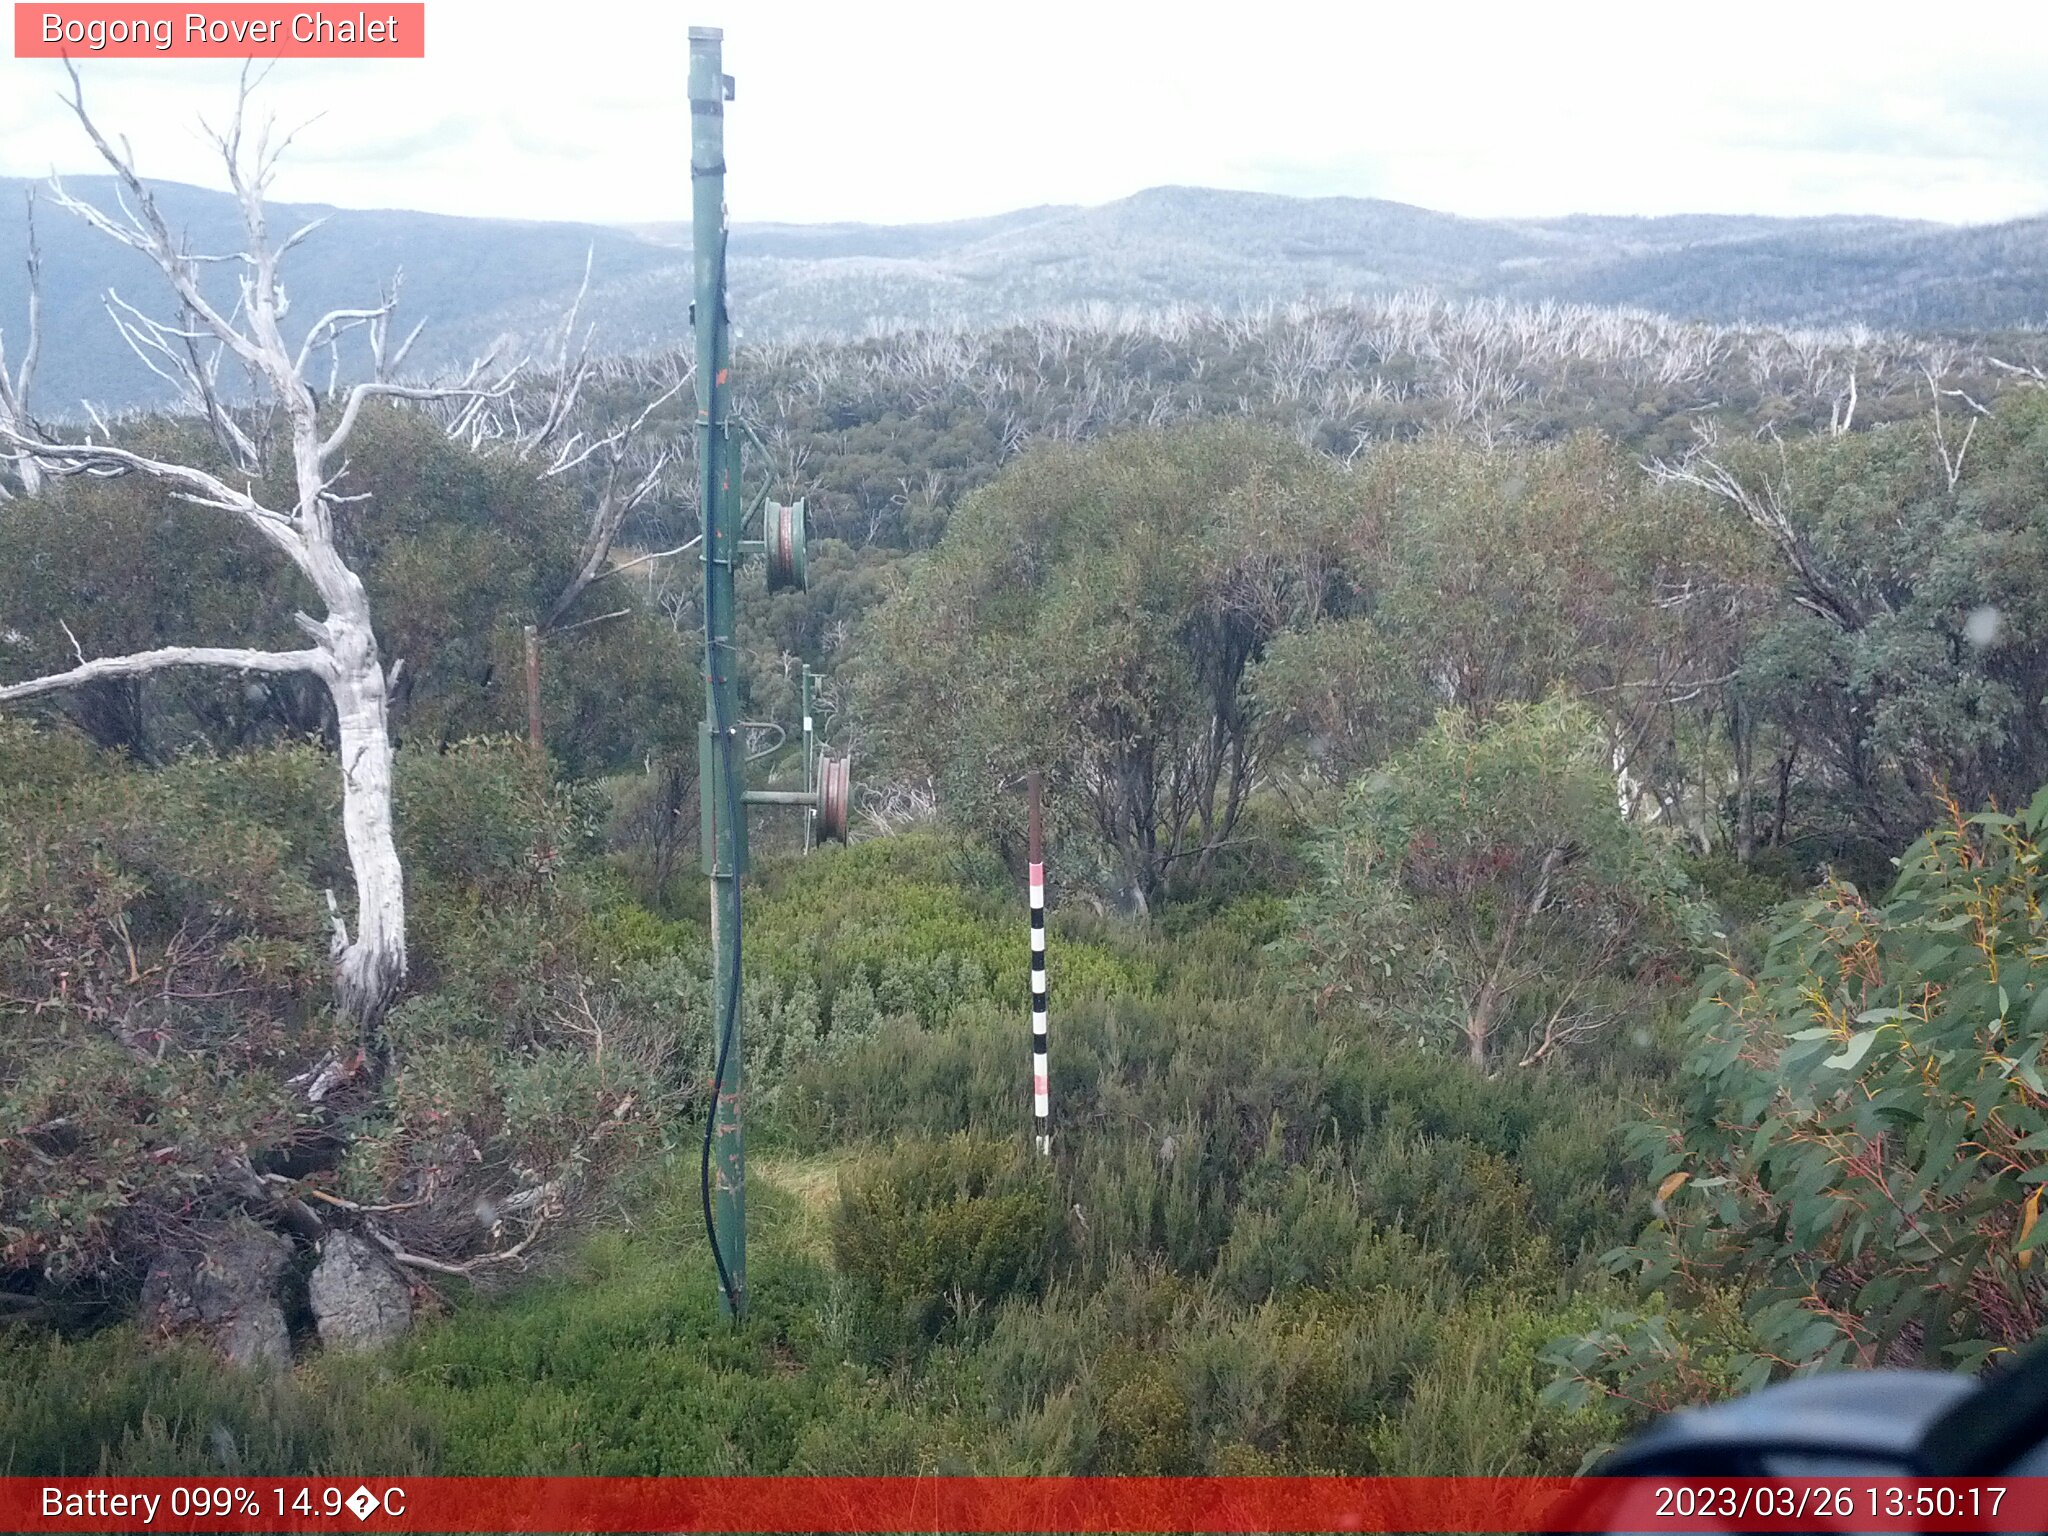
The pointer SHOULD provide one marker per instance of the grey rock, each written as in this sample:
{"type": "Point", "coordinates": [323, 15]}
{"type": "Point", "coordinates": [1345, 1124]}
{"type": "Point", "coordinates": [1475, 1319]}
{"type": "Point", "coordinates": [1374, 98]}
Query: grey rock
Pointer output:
{"type": "Point", "coordinates": [359, 1300]}
{"type": "Point", "coordinates": [226, 1292]}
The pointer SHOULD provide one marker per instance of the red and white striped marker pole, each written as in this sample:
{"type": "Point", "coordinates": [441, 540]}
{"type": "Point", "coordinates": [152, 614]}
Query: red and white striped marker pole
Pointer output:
{"type": "Point", "coordinates": [1041, 1095]}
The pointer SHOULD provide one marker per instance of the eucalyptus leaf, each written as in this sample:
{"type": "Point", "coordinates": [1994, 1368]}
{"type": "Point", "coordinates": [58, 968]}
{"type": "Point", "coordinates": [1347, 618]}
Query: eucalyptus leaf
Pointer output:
{"type": "Point", "coordinates": [1858, 1047]}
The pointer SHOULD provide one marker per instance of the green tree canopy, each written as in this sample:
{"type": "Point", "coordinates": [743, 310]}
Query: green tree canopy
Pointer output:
{"type": "Point", "coordinates": [1906, 653]}
{"type": "Point", "coordinates": [1095, 613]}
{"type": "Point", "coordinates": [1484, 886]}
{"type": "Point", "coordinates": [458, 553]}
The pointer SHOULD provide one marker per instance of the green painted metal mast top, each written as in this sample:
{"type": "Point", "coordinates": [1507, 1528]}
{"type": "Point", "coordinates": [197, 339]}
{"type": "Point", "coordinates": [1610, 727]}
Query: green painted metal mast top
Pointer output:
{"type": "Point", "coordinates": [724, 816]}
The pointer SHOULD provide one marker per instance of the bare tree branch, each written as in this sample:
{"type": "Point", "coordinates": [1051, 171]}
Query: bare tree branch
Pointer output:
{"type": "Point", "coordinates": [144, 662]}
{"type": "Point", "coordinates": [1951, 459]}
{"type": "Point", "coordinates": [625, 485]}
{"type": "Point", "coordinates": [1763, 502]}
{"type": "Point", "coordinates": [653, 555]}
{"type": "Point", "coordinates": [145, 229]}
{"type": "Point", "coordinates": [469, 389]}
{"type": "Point", "coordinates": [613, 506]}
{"type": "Point", "coordinates": [2024, 371]}
{"type": "Point", "coordinates": [104, 461]}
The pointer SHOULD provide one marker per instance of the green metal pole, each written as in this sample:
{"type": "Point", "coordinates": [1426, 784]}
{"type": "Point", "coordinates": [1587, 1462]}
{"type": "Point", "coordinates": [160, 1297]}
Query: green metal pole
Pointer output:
{"type": "Point", "coordinates": [720, 764]}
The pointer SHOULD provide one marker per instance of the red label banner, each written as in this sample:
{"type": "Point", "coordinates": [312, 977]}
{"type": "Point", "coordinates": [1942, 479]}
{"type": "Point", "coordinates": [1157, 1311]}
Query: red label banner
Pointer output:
{"type": "Point", "coordinates": [1022, 1504]}
{"type": "Point", "coordinates": [237, 31]}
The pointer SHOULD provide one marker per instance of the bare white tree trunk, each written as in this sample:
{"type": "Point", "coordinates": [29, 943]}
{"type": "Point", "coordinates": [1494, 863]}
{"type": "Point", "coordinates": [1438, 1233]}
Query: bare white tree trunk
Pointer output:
{"type": "Point", "coordinates": [369, 969]}
{"type": "Point", "coordinates": [14, 389]}
{"type": "Point", "coordinates": [370, 966]}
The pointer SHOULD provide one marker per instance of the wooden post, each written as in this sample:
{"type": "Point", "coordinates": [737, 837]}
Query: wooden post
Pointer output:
{"type": "Point", "coordinates": [533, 687]}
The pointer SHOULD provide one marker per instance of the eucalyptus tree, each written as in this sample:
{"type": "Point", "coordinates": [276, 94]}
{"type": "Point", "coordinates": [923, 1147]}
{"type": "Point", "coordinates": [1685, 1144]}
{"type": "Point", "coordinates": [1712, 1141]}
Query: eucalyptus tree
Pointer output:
{"type": "Point", "coordinates": [1484, 887]}
{"type": "Point", "coordinates": [285, 423]}
{"type": "Point", "coordinates": [1097, 613]}
{"type": "Point", "coordinates": [1903, 653]}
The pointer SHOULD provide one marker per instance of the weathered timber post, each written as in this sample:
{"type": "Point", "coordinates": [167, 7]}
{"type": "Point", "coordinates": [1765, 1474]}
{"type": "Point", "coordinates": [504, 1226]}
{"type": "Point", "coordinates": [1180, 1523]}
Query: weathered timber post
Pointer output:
{"type": "Point", "coordinates": [533, 735]}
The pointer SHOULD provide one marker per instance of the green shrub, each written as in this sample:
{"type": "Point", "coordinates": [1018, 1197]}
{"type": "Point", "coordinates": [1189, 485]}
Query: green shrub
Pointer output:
{"type": "Point", "coordinates": [938, 1231]}
{"type": "Point", "coordinates": [488, 817]}
{"type": "Point", "coordinates": [1263, 1246]}
{"type": "Point", "coordinates": [1858, 1152]}
{"type": "Point", "coordinates": [165, 935]}
{"type": "Point", "coordinates": [893, 925]}
{"type": "Point", "coordinates": [1308, 1234]}
{"type": "Point", "coordinates": [1145, 1426]}
{"type": "Point", "coordinates": [162, 956]}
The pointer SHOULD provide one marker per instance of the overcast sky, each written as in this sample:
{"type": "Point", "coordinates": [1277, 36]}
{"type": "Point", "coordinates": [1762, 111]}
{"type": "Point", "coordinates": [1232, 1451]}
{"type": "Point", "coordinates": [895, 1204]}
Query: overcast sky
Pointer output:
{"type": "Point", "coordinates": [893, 111]}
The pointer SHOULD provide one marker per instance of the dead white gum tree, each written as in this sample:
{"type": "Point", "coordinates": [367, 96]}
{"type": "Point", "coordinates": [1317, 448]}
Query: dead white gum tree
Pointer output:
{"type": "Point", "coordinates": [370, 964]}
{"type": "Point", "coordinates": [15, 386]}
{"type": "Point", "coordinates": [613, 472]}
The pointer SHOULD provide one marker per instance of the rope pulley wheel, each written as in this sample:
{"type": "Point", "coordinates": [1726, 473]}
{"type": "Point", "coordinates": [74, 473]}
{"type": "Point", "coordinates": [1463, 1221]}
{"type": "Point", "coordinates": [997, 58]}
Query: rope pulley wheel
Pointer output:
{"type": "Point", "coordinates": [835, 797]}
{"type": "Point", "coordinates": [783, 534]}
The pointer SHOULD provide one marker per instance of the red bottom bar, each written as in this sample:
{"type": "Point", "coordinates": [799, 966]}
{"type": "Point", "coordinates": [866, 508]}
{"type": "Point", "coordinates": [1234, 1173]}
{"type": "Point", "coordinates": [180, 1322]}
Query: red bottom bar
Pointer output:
{"type": "Point", "coordinates": [1021, 1504]}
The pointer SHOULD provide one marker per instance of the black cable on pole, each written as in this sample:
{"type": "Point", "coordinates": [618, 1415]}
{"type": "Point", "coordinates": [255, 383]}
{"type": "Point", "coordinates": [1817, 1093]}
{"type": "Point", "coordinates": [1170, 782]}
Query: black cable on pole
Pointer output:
{"type": "Point", "coordinates": [725, 1035]}
{"type": "Point", "coordinates": [721, 730]}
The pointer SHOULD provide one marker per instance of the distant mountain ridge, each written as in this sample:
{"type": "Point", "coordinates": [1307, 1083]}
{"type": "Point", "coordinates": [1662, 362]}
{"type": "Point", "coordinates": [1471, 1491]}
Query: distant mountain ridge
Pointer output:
{"type": "Point", "coordinates": [479, 279]}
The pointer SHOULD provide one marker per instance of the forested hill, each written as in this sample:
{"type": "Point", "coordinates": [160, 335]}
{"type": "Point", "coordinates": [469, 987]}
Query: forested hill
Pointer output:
{"type": "Point", "coordinates": [457, 273]}
{"type": "Point", "coordinates": [476, 279]}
